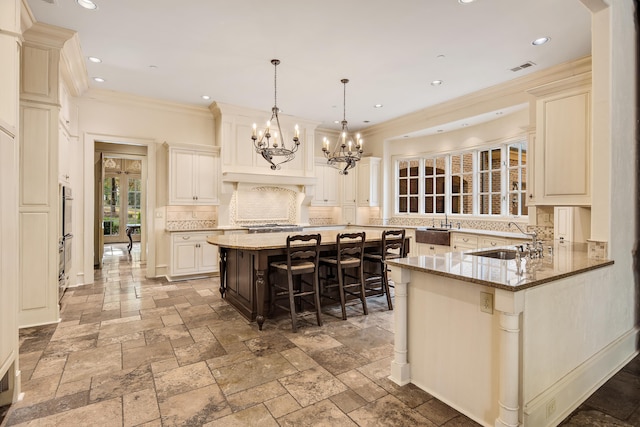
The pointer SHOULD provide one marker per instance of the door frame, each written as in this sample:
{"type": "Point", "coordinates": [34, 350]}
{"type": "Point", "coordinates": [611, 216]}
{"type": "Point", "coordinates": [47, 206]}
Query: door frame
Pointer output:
{"type": "Point", "coordinates": [149, 183]}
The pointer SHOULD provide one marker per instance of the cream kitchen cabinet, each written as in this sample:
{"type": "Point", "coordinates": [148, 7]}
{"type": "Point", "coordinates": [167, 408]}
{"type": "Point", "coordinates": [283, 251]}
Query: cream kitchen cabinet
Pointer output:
{"type": "Point", "coordinates": [192, 255]}
{"type": "Point", "coordinates": [560, 160]}
{"type": "Point", "coordinates": [430, 249]}
{"type": "Point", "coordinates": [571, 223]}
{"type": "Point", "coordinates": [461, 242]}
{"type": "Point", "coordinates": [369, 181]}
{"type": "Point", "coordinates": [193, 176]}
{"type": "Point", "coordinates": [490, 242]}
{"type": "Point", "coordinates": [327, 190]}
{"type": "Point", "coordinates": [349, 187]}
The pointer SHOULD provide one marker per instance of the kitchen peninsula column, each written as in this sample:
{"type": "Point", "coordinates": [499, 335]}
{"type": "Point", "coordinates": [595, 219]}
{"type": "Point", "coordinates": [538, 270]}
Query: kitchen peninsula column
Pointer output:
{"type": "Point", "coordinates": [400, 368]}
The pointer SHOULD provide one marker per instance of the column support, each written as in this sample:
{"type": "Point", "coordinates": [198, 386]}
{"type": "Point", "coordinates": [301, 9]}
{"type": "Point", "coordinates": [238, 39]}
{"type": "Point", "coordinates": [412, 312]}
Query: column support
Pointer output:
{"type": "Point", "coordinates": [400, 368]}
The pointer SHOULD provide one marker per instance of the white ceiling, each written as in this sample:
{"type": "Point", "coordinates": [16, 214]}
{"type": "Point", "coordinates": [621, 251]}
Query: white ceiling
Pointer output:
{"type": "Point", "coordinates": [387, 49]}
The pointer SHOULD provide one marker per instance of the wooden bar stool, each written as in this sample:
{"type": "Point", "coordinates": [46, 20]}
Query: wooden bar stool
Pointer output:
{"type": "Point", "coordinates": [303, 254]}
{"type": "Point", "coordinates": [392, 246]}
{"type": "Point", "coordinates": [349, 256]}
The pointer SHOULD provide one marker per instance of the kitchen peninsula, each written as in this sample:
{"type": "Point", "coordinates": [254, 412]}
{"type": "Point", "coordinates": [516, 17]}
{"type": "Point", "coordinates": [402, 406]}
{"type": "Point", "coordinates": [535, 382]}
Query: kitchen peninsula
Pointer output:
{"type": "Point", "coordinates": [244, 265]}
{"type": "Point", "coordinates": [506, 342]}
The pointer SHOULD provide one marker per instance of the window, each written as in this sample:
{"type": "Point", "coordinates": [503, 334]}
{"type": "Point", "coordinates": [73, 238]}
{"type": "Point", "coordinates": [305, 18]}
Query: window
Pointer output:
{"type": "Point", "coordinates": [517, 173]}
{"type": "Point", "coordinates": [462, 183]}
{"type": "Point", "coordinates": [408, 182]}
{"type": "Point", "coordinates": [434, 179]}
{"type": "Point", "coordinates": [489, 179]}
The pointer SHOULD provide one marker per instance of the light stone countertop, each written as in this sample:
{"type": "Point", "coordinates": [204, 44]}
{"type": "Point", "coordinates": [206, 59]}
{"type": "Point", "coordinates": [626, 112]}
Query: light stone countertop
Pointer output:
{"type": "Point", "coordinates": [567, 260]}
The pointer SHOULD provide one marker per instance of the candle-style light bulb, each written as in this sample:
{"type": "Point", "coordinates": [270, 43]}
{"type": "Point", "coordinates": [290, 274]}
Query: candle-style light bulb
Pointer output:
{"type": "Point", "coordinates": [253, 132]}
{"type": "Point", "coordinates": [297, 131]}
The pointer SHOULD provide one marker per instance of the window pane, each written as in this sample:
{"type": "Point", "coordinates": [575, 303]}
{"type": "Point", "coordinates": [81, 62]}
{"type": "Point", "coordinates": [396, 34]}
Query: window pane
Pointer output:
{"type": "Point", "coordinates": [484, 204]}
{"type": "Point", "coordinates": [440, 185]}
{"type": "Point", "coordinates": [440, 204]}
{"type": "Point", "coordinates": [495, 204]}
{"type": "Point", "coordinates": [467, 183]}
{"type": "Point", "coordinates": [402, 168]}
{"type": "Point", "coordinates": [428, 204]}
{"type": "Point", "coordinates": [456, 166]}
{"type": "Point", "coordinates": [467, 204]}
{"type": "Point", "coordinates": [484, 160]}
{"type": "Point", "coordinates": [496, 182]}
{"type": "Point", "coordinates": [428, 186]}
{"type": "Point", "coordinates": [413, 186]}
{"type": "Point", "coordinates": [402, 187]}
{"type": "Point", "coordinates": [402, 204]}
{"type": "Point", "coordinates": [455, 204]}
{"type": "Point", "coordinates": [413, 203]}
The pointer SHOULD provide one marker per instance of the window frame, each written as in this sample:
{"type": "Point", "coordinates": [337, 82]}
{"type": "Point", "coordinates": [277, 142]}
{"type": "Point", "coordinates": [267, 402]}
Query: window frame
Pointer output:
{"type": "Point", "coordinates": [504, 195]}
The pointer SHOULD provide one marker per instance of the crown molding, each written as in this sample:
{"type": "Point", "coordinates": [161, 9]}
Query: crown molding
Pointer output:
{"type": "Point", "coordinates": [220, 109]}
{"type": "Point", "coordinates": [48, 35]}
{"type": "Point", "coordinates": [492, 98]}
{"type": "Point", "coordinates": [26, 17]}
{"type": "Point", "coordinates": [122, 98]}
{"type": "Point", "coordinates": [73, 67]}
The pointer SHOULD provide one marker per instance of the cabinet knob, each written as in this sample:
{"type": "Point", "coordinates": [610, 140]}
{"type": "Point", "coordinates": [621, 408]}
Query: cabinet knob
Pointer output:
{"type": "Point", "coordinates": [465, 240]}
{"type": "Point", "coordinates": [186, 237]}
{"type": "Point", "coordinates": [493, 243]}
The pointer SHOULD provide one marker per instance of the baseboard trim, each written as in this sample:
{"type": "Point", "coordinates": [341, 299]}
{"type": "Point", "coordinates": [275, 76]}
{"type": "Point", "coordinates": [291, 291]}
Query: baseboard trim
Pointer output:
{"type": "Point", "coordinates": [576, 387]}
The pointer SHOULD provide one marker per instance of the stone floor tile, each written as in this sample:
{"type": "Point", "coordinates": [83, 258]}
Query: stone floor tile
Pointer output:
{"type": "Point", "coordinates": [182, 379]}
{"type": "Point", "coordinates": [166, 333]}
{"type": "Point", "coordinates": [409, 394]}
{"type": "Point", "coordinates": [252, 372]}
{"type": "Point", "coordinates": [338, 360]}
{"type": "Point", "coordinates": [114, 330]}
{"type": "Point", "coordinates": [388, 411]}
{"type": "Point", "coordinates": [436, 411]}
{"type": "Point", "coordinates": [282, 405]}
{"type": "Point", "coordinates": [62, 347]}
{"type": "Point", "coordinates": [140, 407]}
{"type": "Point", "coordinates": [199, 351]}
{"type": "Point", "coordinates": [255, 395]}
{"type": "Point", "coordinates": [137, 356]}
{"type": "Point", "coordinates": [75, 331]}
{"type": "Point", "coordinates": [619, 397]}
{"type": "Point", "coordinates": [269, 344]}
{"type": "Point", "coordinates": [48, 366]}
{"type": "Point", "coordinates": [378, 369]}
{"type": "Point", "coordinates": [29, 361]}
{"type": "Point", "coordinates": [312, 386]}
{"type": "Point", "coordinates": [298, 358]}
{"type": "Point", "coordinates": [314, 341]}
{"type": "Point", "coordinates": [348, 401]}
{"type": "Point", "coordinates": [462, 421]}
{"type": "Point", "coordinates": [47, 408]}
{"type": "Point", "coordinates": [40, 389]}
{"type": "Point", "coordinates": [230, 359]}
{"type": "Point", "coordinates": [324, 413]}
{"type": "Point", "coordinates": [104, 414]}
{"type": "Point", "coordinates": [92, 362]}
{"type": "Point", "coordinates": [194, 408]}
{"type": "Point", "coordinates": [74, 387]}
{"type": "Point", "coordinates": [116, 384]}
{"type": "Point", "coordinates": [256, 416]}
{"type": "Point", "coordinates": [171, 319]}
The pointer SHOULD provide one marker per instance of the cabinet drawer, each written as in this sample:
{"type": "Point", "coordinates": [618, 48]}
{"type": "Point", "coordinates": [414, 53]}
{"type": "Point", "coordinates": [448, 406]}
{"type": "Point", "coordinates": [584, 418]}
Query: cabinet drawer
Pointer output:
{"type": "Point", "coordinates": [489, 242]}
{"type": "Point", "coordinates": [464, 239]}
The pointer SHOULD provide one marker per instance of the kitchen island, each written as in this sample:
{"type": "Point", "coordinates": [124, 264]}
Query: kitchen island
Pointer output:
{"type": "Point", "coordinates": [506, 342]}
{"type": "Point", "coordinates": [245, 259]}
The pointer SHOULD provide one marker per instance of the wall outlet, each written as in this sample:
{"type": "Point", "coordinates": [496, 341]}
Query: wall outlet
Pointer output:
{"type": "Point", "coordinates": [551, 407]}
{"type": "Point", "coordinates": [486, 302]}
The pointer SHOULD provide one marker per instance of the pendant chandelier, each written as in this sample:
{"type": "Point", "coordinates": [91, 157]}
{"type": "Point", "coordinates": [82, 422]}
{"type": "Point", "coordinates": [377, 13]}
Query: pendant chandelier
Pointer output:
{"type": "Point", "coordinates": [347, 150]}
{"type": "Point", "coordinates": [270, 143]}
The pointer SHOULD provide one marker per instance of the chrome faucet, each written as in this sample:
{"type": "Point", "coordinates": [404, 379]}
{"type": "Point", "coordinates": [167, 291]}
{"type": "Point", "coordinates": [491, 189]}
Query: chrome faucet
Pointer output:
{"type": "Point", "coordinates": [446, 223]}
{"type": "Point", "coordinates": [533, 234]}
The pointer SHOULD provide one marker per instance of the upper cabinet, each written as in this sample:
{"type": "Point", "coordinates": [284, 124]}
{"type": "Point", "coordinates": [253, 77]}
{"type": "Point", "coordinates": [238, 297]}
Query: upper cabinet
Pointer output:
{"type": "Point", "coordinates": [561, 167]}
{"type": "Point", "coordinates": [369, 181]}
{"type": "Point", "coordinates": [326, 193]}
{"type": "Point", "coordinates": [193, 176]}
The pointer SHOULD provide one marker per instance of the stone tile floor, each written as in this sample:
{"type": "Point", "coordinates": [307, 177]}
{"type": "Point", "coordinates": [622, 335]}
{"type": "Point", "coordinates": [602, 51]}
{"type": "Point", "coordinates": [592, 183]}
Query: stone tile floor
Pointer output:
{"type": "Point", "coordinates": [137, 352]}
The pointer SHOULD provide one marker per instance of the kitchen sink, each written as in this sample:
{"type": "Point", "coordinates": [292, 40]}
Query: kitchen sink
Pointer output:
{"type": "Point", "coordinates": [497, 254]}
{"type": "Point", "coordinates": [434, 236]}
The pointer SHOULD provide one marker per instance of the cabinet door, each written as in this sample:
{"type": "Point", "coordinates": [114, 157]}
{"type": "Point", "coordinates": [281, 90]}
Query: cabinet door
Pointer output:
{"type": "Point", "coordinates": [349, 186]}
{"type": "Point", "coordinates": [182, 189]}
{"type": "Point", "coordinates": [207, 258]}
{"type": "Point", "coordinates": [326, 185]}
{"type": "Point", "coordinates": [184, 259]}
{"type": "Point", "coordinates": [206, 179]}
{"type": "Point", "coordinates": [464, 242]}
{"type": "Point", "coordinates": [368, 182]}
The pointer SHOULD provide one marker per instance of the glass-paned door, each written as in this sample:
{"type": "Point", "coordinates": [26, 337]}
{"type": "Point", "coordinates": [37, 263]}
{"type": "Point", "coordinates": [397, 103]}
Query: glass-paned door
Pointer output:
{"type": "Point", "coordinates": [121, 207]}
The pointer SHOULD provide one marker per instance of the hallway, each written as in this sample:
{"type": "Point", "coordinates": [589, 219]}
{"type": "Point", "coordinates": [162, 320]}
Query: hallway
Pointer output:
{"type": "Point", "coordinates": [131, 351]}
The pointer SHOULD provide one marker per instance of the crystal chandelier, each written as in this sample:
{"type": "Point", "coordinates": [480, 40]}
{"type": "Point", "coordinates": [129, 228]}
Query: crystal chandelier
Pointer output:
{"type": "Point", "coordinates": [346, 151]}
{"type": "Point", "coordinates": [272, 146]}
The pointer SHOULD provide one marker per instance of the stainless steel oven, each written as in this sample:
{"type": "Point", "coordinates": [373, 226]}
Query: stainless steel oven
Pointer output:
{"type": "Point", "coordinates": [65, 245]}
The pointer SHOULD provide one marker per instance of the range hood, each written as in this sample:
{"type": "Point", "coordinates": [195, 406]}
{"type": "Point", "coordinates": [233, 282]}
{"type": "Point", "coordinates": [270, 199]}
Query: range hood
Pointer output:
{"type": "Point", "coordinates": [264, 179]}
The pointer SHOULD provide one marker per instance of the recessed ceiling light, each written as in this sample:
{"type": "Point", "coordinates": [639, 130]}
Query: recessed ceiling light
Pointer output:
{"type": "Point", "coordinates": [206, 97]}
{"type": "Point", "coordinates": [377, 106]}
{"type": "Point", "coordinates": [541, 40]}
{"type": "Point", "coordinates": [99, 79]}
{"type": "Point", "coordinates": [436, 82]}
{"type": "Point", "coordinates": [465, 1]}
{"type": "Point", "coordinates": [87, 4]}
{"type": "Point", "coordinates": [440, 130]}
{"type": "Point", "coordinates": [336, 121]}
{"type": "Point", "coordinates": [153, 67]}
{"type": "Point", "coordinates": [465, 124]}
{"type": "Point", "coordinates": [366, 121]}
{"type": "Point", "coordinates": [499, 113]}
{"type": "Point", "coordinates": [95, 59]}
{"type": "Point", "coordinates": [440, 56]}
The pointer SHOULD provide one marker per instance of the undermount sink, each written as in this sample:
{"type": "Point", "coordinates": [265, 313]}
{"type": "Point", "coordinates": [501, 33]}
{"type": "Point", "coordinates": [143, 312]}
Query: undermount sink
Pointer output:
{"type": "Point", "coordinates": [434, 236]}
{"type": "Point", "coordinates": [497, 254]}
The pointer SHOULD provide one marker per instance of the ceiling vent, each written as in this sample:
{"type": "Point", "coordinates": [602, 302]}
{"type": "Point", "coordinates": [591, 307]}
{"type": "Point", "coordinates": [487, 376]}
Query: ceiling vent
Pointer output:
{"type": "Point", "coordinates": [523, 66]}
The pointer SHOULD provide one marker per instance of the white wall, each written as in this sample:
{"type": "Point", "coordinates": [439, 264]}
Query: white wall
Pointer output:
{"type": "Point", "coordinates": [122, 118]}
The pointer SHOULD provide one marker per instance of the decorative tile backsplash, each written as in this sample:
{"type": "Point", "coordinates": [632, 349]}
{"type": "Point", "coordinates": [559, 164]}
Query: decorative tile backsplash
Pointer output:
{"type": "Point", "coordinates": [263, 205]}
{"type": "Point", "coordinates": [191, 217]}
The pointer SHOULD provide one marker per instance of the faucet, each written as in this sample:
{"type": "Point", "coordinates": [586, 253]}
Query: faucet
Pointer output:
{"type": "Point", "coordinates": [533, 234]}
{"type": "Point", "coordinates": [446, 223]}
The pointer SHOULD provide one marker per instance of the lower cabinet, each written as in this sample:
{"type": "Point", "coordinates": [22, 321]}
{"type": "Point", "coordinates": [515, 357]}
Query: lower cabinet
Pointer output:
{"type": "Point", "coordinates": [239, 278]}
{"type": "Point", "coordinates": [192, 255]}
{"type": "Point", "coordinates": [429, 249]}
{"type": "Point", "coordinates": [463, 242]}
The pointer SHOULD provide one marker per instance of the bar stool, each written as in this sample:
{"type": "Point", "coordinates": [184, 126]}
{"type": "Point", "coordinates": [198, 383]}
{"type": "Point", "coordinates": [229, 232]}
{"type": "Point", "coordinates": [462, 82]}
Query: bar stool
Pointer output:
{"type": "Point", "coordinates": [392, 246]}
{"type": "Point", "coordinates": [349, 256]}
{"type": "Point", "coordinates": [303, 254]}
